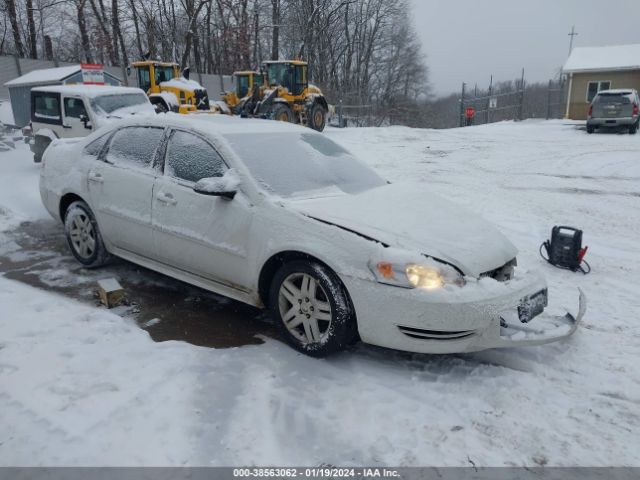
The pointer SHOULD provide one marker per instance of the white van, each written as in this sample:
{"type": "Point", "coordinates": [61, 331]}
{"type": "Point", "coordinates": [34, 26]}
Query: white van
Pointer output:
{"type": "Point", "coordinates": [65, 111]}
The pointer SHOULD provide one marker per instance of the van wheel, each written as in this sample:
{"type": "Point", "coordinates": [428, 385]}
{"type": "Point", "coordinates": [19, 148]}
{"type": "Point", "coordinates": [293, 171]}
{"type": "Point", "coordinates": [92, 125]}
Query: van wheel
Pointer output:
{"type": "Point", "coordinates": [590, 129]}
{"type": "Point", "coordinates": [633, 129]}
{"type": "Point", "coordinates": [312, 308]}
{"type": "Point", "coordinates": [83, 235]}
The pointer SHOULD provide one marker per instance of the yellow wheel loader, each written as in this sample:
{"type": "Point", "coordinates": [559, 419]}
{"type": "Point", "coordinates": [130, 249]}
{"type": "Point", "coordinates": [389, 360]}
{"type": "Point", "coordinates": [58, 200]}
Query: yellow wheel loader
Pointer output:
{"type": "Point", "coordinates": [169, 91]}
{"type": "Point", "coordinates": [290, 97]}
{"type": "Point", "coordinates": [280, 91]}
{"type": "Point", "coordinates": [246, 82]}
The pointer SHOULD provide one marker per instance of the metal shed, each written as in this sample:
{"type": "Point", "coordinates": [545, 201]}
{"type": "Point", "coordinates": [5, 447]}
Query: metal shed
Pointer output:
{"type": "Point", "coordinates": [20, 88]}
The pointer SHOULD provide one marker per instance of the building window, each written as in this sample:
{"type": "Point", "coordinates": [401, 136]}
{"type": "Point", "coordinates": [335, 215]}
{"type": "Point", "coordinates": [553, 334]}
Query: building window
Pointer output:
{"type": "Point", "coordinates": [594, 87]}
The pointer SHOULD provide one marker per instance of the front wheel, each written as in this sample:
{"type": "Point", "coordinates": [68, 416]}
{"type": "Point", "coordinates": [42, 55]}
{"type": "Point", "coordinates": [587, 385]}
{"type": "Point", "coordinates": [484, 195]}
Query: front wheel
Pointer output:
{"type": "Point", "coordinates": [283, 113]}
{"type": "Point", "coordinates": [312, 308]}
{"type": "Point", "coordinates": [83, 235]}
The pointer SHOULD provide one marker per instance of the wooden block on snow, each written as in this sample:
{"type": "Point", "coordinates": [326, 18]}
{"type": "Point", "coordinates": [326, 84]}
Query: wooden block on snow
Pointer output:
{"type": "Point", "coordinates": [110, 291]}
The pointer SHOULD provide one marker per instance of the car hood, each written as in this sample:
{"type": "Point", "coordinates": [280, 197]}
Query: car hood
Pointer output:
{"type": "Point", "coordinates": [407, 216]}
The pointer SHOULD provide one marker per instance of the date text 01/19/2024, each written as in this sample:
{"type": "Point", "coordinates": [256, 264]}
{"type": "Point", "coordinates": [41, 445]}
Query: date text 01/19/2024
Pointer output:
{"type": "Point", "coordinates": [315, 472]}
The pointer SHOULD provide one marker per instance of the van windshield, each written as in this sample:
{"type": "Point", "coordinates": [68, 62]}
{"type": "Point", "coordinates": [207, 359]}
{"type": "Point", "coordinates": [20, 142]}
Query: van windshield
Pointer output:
{"type": "Point", "coordinates": [108, 104]}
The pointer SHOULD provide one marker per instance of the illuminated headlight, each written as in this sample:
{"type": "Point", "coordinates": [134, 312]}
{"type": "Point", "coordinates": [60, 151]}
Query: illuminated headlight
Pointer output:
{"type": "Point", "coordinates": [429, 275]}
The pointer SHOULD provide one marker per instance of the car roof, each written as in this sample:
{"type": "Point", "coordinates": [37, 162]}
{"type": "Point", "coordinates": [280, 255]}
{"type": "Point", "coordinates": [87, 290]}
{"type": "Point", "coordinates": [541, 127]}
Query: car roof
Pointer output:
{"type": "Point", "coordinates": [217, 123]}
{"type": "Point", "coordinates": [617, 91]}
{"type": "Point", "coordinates": [88, 90]}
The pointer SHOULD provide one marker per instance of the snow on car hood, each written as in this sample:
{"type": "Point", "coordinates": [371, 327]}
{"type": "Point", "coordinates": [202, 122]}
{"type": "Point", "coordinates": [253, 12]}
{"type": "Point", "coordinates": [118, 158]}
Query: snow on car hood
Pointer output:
{"type": "Point", "coordinates": [407, 216]}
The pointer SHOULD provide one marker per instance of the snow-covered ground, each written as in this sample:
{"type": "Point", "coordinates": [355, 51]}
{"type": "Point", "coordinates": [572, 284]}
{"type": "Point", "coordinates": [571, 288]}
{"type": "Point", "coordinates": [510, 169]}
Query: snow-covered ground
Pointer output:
{"type": "Point", "coordinates": [83, 386]}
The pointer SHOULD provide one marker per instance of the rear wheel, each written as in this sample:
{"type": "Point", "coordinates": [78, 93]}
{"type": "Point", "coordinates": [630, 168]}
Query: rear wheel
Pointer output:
{"type": "Point", "coordinates": [590, 129]}
{"type": "Point", "coordinates": [316, 117]}
{"type": "Point", "coordinates": [83, 235]}
{"type": "Point", "coordinates": [312, 308]}
{"type": "Point", "coordinates": [633, 129]}
{"type": "Point", "coordinates": [282, 112]}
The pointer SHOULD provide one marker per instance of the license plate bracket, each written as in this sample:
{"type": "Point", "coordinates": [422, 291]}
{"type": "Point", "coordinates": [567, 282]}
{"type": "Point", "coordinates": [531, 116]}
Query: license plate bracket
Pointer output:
{"type": "Point", "coordinates": [532, 305]}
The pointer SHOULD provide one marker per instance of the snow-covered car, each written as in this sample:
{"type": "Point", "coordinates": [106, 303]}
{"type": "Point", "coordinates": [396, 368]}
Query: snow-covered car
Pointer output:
{"type": "Point", "coordinates": [281, 217]}
{"type": "Point", "coordinates": [69, 111]}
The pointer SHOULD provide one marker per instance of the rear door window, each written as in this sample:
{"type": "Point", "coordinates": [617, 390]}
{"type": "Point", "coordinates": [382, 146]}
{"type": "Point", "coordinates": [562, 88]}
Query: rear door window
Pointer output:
{"type": "Point", "coordinates": [46, 107]}
{"type": "Point", "coordinates": [135, 146]}
{"type": "Point", "coordinates": [191, 158]}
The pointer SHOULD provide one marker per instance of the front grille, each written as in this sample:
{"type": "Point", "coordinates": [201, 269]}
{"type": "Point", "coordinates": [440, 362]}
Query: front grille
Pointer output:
{"type": "Point", "coordinates": [435, 334]}
{"type": "Point", "coordinates": [503, 273]}
{"type": "Point", "coordinates": [201, 99]}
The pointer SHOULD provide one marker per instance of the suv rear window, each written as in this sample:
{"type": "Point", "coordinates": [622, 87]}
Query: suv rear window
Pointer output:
{"type": "Point", "coordinates": [46, 107]}
{"type": "Point", "coordinates": [613, 98]}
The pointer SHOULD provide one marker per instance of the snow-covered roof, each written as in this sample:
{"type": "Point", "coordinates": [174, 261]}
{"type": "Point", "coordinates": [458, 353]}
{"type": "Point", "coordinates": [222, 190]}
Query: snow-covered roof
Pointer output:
{"type": "Point", "coordinates": [220, 124]}
{"type": "Point", "coordinates": [47, 75]}
{"type": "Point", "coordinates": [90, 91]}
{"type": "Point", "coordinates": [612, 57]}
{"type": "Point", "coordinates": [44, 75]}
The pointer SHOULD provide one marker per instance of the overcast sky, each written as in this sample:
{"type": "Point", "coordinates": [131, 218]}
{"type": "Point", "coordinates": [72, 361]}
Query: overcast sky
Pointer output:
{"type": "Point", "coordinates": [468, 40]}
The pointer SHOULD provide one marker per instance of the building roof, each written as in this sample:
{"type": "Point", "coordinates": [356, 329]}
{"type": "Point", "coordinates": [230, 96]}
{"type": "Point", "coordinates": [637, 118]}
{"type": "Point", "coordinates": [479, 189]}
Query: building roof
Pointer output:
{"type": "Point", "coordinates": [47, 75]}
{"type": "Point", "coordinates": [608, 58]}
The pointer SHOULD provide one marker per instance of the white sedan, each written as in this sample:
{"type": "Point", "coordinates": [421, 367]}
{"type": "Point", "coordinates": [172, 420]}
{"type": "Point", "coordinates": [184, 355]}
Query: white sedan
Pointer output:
{"type": "Point", "coordinates": [281, 217]}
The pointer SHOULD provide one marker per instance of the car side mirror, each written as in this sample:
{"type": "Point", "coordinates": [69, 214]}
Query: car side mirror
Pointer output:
{"type": "Point", "coordinates": [225, 186]}
{"type": "Point", "coordinates": [85, 120]}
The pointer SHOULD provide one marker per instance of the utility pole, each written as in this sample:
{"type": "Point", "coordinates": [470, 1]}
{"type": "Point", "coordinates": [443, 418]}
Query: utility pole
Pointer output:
{"type": "Point", "coordinates": [462, 105]}
{"type": "Point", "coordinates": [572, 34]}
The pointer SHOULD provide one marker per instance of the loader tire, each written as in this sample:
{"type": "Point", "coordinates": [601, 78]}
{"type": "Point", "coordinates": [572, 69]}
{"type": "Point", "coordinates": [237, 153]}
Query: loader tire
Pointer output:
{"type": "Point", "coordinates": [283, 113]}
{"type": "Point", "coordinates": [316, 117]}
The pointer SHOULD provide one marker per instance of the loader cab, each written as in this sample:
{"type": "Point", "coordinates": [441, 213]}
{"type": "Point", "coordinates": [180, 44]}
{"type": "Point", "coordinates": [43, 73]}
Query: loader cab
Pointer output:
{"type": "Point", "coordinates": [291, 74]}
{"type": "Point", "coordinates": [151, 74]}
{"type": "Point", "coordinates": [245, 82]}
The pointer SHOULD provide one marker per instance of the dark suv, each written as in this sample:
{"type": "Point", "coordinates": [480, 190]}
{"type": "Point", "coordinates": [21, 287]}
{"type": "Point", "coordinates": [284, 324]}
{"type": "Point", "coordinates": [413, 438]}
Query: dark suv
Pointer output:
{"type": "Point", "coordinates": [614, 108]}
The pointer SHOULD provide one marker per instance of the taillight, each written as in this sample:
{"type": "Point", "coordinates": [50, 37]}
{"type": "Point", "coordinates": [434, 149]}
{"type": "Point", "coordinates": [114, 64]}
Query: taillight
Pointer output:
{"type": "Point", "coordinates": [590, 110]}
{"type": "Point", "coordinates": [635, 109]}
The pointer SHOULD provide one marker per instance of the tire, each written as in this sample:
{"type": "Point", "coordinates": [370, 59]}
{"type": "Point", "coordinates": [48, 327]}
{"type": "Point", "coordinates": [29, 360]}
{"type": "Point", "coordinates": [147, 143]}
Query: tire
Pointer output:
{"type": "Point", "coordinates": [316, 117]}
{"type": "Point", "coordinates": [633, 129]}
{"type": "Point", "coordinates": [282, 112]}
{"type": "Point", "coordinates": [83, 235]}
{"type": "Point", "coordinates": [316, 324]}
{"type": "Point", "coordinates": [590, 129]}
{"type": "Point", "coordinates": [161, 107]}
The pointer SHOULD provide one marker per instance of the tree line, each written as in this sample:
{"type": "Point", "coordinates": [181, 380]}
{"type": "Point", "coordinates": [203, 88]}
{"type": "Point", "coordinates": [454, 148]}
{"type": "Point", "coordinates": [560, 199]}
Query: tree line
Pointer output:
{"type": "Point", "coordinates": [360, 52]}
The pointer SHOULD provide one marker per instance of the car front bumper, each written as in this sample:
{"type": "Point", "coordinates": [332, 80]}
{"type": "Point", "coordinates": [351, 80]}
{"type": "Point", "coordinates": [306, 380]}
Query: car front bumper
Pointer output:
{"type": "Point", "coordinates": [478, 316]}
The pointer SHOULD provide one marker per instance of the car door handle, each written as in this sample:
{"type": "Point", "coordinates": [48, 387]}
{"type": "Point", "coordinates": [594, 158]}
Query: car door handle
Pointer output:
{"type": "Point", "coordinates": [96, 177]}
{"type": "Point", "coordinates": [166, 198]}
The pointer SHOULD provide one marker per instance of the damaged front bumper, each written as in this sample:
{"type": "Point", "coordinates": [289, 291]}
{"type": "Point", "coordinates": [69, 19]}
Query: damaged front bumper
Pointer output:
{"type": "Point", "coordinates": [507, 315]}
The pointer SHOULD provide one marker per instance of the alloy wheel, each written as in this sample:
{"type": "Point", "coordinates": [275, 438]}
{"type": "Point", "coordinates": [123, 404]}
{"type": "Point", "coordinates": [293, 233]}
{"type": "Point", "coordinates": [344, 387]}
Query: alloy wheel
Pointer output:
{"type": "Point", "coordinates": [304, 308]}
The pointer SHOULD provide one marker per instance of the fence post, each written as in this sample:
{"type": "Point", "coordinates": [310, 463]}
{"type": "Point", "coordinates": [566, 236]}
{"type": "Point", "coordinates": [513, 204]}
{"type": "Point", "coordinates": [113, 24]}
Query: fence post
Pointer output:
{"type": "Point", "coordinates": [489, 98]}
{"type": "Point", "coordinates": [549, 100]}
{"type": "Point", "coordinates": [462, 106]}
{"type": "Point", "coordinates": [521, 112]}
{"type": "Point", "coordinates": [340, 124]}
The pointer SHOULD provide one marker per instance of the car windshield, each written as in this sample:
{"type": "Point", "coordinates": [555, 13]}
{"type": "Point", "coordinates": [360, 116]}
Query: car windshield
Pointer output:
{"type": "Point", "coordinates": [110, 103]}
{"type": "Point", "coordinates": [302, 165]}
